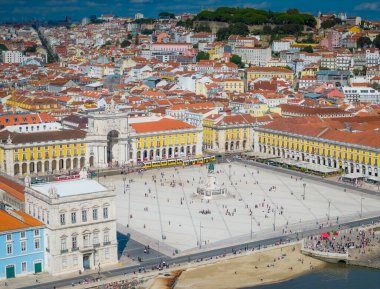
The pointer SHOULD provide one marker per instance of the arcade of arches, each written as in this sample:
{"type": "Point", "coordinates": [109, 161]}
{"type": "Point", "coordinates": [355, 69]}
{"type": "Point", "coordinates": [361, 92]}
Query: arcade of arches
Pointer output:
{"type": "Point", "coordinates": [348, 159]}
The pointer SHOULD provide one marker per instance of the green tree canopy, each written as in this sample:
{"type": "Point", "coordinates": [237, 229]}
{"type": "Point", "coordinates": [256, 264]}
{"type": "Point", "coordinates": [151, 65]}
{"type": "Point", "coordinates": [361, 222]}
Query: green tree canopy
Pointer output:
{"type": "Point", "coordinates": [3, 47]}
{"type": "Point", "coordinates": [364, 41]}
{"type": "Point", "coordinates": [308, 49]}
{"type": "Point", "coordinates": [251, 16]}
{"type": "Point", "coordinates": [202, 56]}
{"type": "Point", "coordinates": [234, 29]}
{"type": "Point", "coordinates": [237, 60]}
{"type": "Point", "coordinates": [125, 43]}
{"type": "Point", "coordinates": [376, 41]}
{"type": "Point", "coordinates": [166, 15]}
{"type": "Point", "coordinates": [331, 23]}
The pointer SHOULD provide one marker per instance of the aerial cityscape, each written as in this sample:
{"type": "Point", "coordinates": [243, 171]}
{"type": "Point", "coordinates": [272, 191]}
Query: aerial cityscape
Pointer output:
{"type": "Point", "coordinates": [181, 145]}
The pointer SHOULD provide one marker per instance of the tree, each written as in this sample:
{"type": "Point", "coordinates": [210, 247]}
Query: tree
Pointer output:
{"type": "Point", "coordinates": [166, 15]}
{"type": "Point", "coordinates": [3, 47]}
{"type": "Point", "coordinates": [308, 49]}
{"type": "Point", "coordinates": [364, 41]}
{"type": "Point", "coordinates": [125, 43]}
{"type": "Point", "coordinates": [376, 42]}
{"type": "Point", "coordinates": [234, 29]}
{"type": "Point", "coordinates": [237, 60]}
{"type": "Point", "coordinates": [202, 56]}
{"type": "Point", "coordinates": [330, 23]}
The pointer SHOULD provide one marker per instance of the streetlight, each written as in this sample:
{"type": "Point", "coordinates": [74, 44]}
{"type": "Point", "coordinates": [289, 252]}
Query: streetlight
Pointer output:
{"type": "Point", "coordinates": [129, 202]}
{"type": "Point", "coordinates": [304, 191]}
{"type": "Point", "coordinates": [229, 171]}
{"type": "Point", "coordinates": [274, 220]}
{"type": "Point", "coordinates": [200, 235]}
{"type": "Point", "coordinates": [328, 214]}
{"type": "Point", "coordinates": [124, 179]}
{"type": "Point", "coordinates": [251, 228]}
{"type": "Point", "coordinates": [361, 207]}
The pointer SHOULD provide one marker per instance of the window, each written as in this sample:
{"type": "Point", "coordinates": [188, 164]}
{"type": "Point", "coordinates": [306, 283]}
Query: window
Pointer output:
{"type": "Point", "coordinates": [9, 249]}
{"type": "Point", "coordinates": [37, 244]}
{"type": "Point", "coordinates": [106, 236]}
{"type": "Point", "coordinates": [23, 246]}
{"type": "Point", "coordinates": [73, 217]}
{"type": "Point", "coordinates": [75, 261]}
{"type": "Point", "coordinates": [23, 235]}
{"type": "Point", "coordinates": [23, 267]}
{"type": "Point", "coordinates": [64, 262]}
{"type": "Point", "coordinates": [94, 214]}
{"type": "Point", "coordinates": [63, 244]}
{"type": "Point", "coordinates": [107, 253]}
{"type": "Point", "coordinates": [9, 237]}
{"type": "Point", "coordinates": [96, 238]}
{"type": "Point", "coordinates": [86, 240]}
{"type": "Point", "coordinates": [105, 213]}
{"type": "Point", "coordinates": [74, 242]}
{"type": "Point", "coordinates": [84, 216]}
{"type": "Point", "coordinates": [62, 218]}
{"type": "Point", "coordinates": [36, 233]}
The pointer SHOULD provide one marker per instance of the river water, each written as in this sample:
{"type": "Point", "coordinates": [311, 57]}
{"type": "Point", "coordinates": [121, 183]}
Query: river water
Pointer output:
{"type": "Point", "coordinates": [332, 277]}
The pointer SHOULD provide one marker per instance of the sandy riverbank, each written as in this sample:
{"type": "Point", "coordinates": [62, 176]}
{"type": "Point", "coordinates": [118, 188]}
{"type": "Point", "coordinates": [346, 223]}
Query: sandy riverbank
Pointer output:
{"type": "Point", "coordinates": [268, 266]}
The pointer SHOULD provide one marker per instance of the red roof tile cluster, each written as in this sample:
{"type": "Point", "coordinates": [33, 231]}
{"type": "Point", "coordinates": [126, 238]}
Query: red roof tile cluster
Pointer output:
{"type": "Point", "coordinates": [11, 223]}
{"type": "Point", "coordinates": [164, 124]}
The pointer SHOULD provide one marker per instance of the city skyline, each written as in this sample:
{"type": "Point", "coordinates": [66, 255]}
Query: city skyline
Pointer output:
{"type": "Point", "coordinates": [22, 10]}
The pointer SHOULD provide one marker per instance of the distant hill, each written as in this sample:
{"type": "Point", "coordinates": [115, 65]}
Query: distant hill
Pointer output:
{"type": "Point", "coordinates": [251, 16]}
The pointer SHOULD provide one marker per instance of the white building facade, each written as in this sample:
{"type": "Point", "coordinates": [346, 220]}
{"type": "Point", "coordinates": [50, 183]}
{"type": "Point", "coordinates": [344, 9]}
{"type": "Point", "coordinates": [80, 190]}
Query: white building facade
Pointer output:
{"type": "Point", "coordinates": [80, 218]}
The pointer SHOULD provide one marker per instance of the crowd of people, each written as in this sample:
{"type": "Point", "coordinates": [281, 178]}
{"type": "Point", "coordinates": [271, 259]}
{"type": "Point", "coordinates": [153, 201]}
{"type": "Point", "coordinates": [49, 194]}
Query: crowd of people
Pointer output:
{"type": "Point", "coordinates": [359, 239]}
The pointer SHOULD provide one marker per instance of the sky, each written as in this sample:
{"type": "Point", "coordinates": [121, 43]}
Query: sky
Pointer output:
{"type": "Point", "coordinates": [19, 10]}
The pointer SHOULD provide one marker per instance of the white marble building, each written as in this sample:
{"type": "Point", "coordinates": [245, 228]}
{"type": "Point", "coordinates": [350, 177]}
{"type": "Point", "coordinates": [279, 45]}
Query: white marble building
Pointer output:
{"type": "Point", "coordinates": [80, 218]}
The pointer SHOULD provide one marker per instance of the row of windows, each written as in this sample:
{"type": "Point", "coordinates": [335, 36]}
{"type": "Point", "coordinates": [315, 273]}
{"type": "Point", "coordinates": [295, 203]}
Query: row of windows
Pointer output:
{"type": "Point", "coordinates": [23, 246]}
{"type": "Point", "coordinates": [22, 235]}
{"type": "Point", "coordinates": [86, 240]}
{"type": "Point", "coordinates": [62, 217]}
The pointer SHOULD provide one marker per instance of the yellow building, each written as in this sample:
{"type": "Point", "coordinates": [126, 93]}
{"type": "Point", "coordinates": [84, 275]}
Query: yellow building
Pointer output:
{"type": "Point", "coordinates": [279, 72]}
{"type": "Point", "coordinates": [355, 29]}
{"type": "Point", "coordinates": [40, 104]}
{"type": "Point", "coordinates": [233, 85]}
{"type": "Point", "coordinates": [165, 139]}
{"type": "Point", "coordinates": [216, 52]}
{"type": "Point", "coordinates": [39, 152]}
{"type": "Point", "coordinates": [310, 70]}
{"type": "Point", "coordinates": [315, 141]}
{"type": "Point", "coordinates": [228, 133]}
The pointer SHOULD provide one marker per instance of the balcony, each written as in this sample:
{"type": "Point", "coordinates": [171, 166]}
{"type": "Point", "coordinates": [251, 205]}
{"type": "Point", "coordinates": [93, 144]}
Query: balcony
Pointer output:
{"type": "Point", "coordinates": [96, 245]}
{"type": "Point", "coordinates": [106, 243]}
{"type": "Point", "coordinates": [74, 249]}
{"type": "Point", "coordinates": [64, 251]}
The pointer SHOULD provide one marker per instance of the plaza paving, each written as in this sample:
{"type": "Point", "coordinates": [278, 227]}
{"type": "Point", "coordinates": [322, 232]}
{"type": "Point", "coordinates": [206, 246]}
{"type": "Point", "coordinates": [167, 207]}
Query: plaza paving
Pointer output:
{"type": "Point", "coordinates": [168, 209]}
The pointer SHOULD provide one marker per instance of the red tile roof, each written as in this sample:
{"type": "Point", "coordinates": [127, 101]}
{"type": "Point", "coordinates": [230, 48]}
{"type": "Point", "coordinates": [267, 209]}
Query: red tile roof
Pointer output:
{"type": "Point", "coordinates": [161, 125]}
{"type": "Point", "coordinates": [11, 223]}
